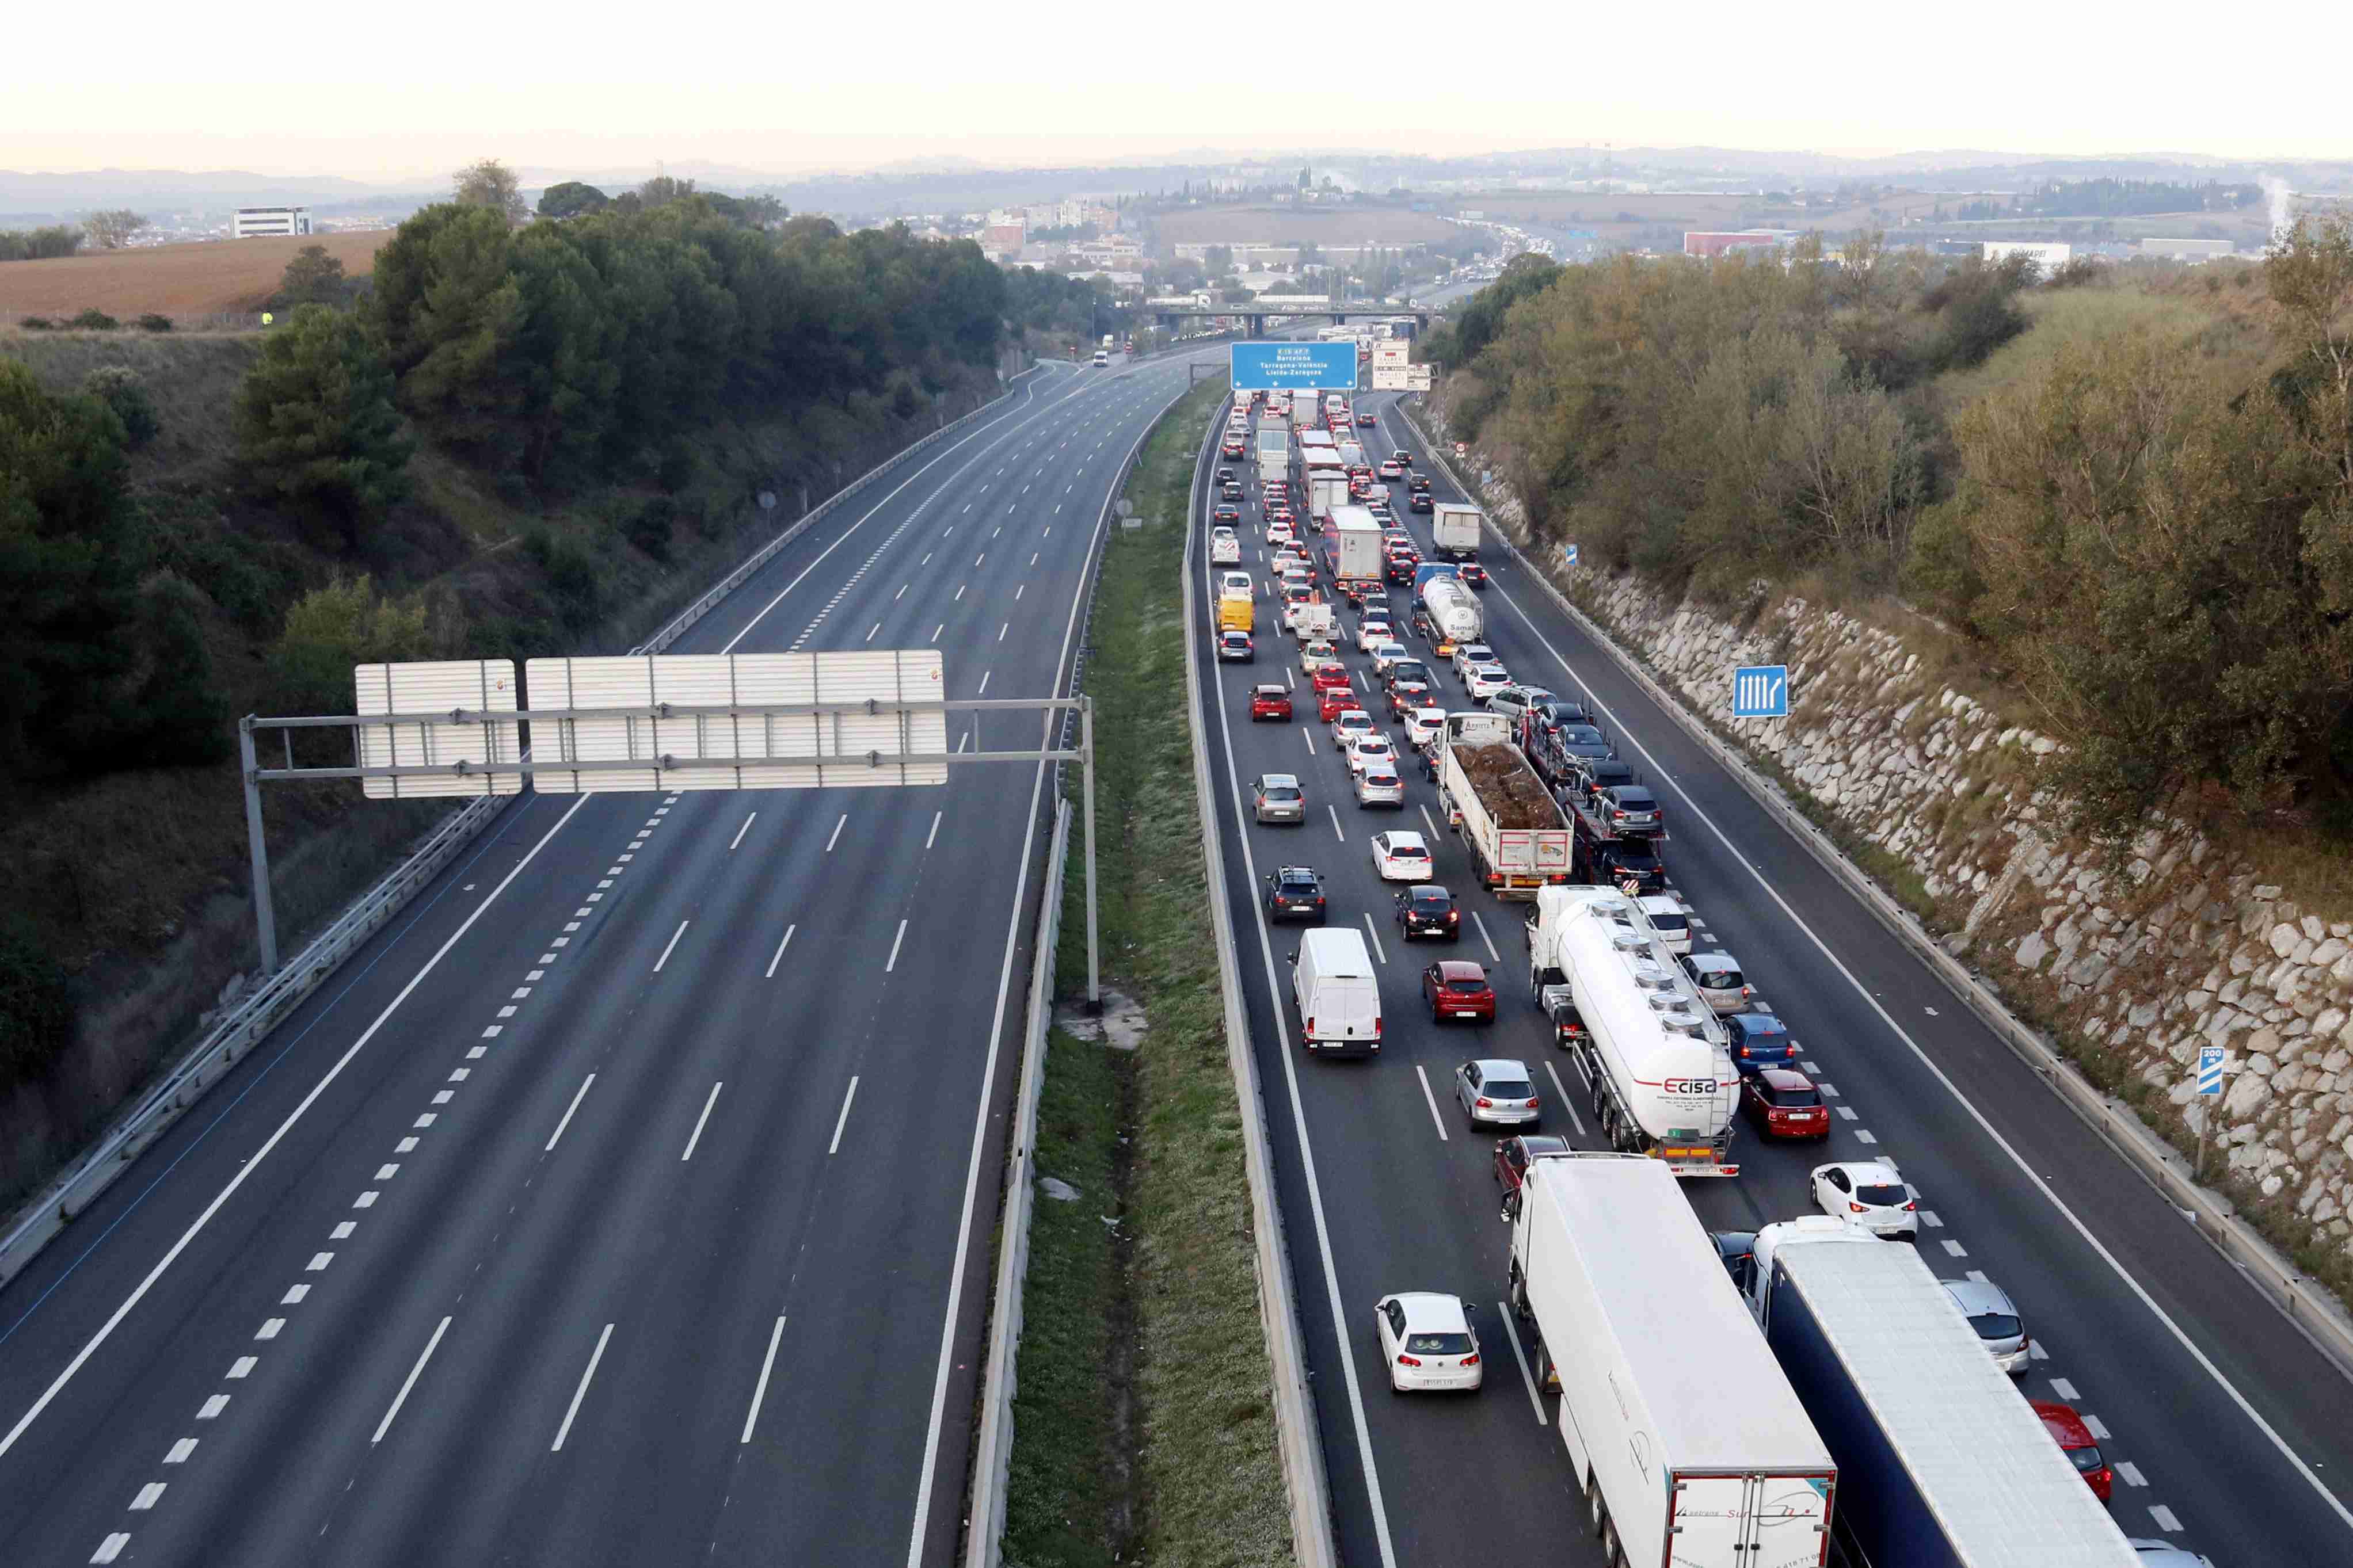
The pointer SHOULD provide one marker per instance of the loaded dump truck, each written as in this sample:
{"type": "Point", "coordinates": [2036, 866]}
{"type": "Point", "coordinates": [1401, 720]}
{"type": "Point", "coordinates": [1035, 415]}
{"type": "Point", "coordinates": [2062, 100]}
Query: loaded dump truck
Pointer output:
{"type": "Point", "coordinates": [1649, 1044]}
{"type": "Point", "coordinates": [1516, 833]}
{"type": "Point", "coordinates": [1941, 1464]}
{"type": "Point", "coordinates": [1682, 1432]}
{"type": "Point", "coordinates": [1452, 607]}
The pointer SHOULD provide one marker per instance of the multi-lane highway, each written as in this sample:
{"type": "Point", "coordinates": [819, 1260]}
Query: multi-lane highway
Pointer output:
{"type": "Point", "coordinates": [630, 1201]}
{"type": "Point", "coordinates": [2229, 1433]}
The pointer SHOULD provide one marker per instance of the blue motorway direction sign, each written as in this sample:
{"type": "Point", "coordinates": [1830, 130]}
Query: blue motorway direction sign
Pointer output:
{"type": "Point", "coordinates": [1294, 367]}
{"type": "Point", "coordinates": [1760, 691]}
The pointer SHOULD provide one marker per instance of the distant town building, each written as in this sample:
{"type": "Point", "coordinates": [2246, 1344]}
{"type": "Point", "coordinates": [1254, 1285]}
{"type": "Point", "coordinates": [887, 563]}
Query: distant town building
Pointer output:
{"type": "Point", "coordinates": [1003, 239]}
{"type": "Point", "coordinates": [2046, 254]}
{"type": "Point", "coordinates": [2187, 249]}
{"type": "Point", "coordinates": [1720, 242]}
{"type": "Point", "coordinates": [254, 223]}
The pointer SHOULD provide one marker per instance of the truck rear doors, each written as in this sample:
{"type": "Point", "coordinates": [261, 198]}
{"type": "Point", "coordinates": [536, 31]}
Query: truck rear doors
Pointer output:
{"type": "Point", "coordinates": [1751, 1521]}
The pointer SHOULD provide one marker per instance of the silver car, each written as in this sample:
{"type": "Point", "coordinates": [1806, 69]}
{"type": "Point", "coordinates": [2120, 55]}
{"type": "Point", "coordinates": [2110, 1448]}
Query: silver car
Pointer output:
{"type": "Point", "coordinates": [1719, 981]}
{"type": "Point", "coordinates": [1997, 1324]}
{"type": "Point", "coordinates": [1497, 1093]}
{"type": "Point", "coordinates": [1279, 798]}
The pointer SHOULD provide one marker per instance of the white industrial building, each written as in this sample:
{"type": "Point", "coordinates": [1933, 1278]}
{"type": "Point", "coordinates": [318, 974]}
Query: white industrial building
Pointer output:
{"type": "Point", "coordinates": [254, 223]}
{"type": "Point", "coordinates": [2047, 257]}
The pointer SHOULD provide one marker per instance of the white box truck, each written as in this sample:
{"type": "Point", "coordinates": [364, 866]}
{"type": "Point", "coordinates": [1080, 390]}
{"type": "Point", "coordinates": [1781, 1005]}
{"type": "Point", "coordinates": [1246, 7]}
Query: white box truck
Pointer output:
{"type": "Point", "coordinates": [1452, 608]}
{"type": "Point", "coordinates": [1339, 1000]}
{"type": "Point", "coordinates": [1518, 838]}
{"type": "Point", "coordinates": [1647, 1042]}
{"type": "Point", "coordinates": [1352, 547]}
{"type": "Point", "coordinates": [1328, 493]}
{"type": "Point", "coordinates": [1454, 530]}
{"type": "Point", "coordinates": [1682, 1430]}
{"type": "Point", "coordinates": [1942, 1464]}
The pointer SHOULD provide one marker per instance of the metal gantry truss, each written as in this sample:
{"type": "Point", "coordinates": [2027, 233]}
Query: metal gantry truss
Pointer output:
{"type": "Point", "coordinates": [672, 772]}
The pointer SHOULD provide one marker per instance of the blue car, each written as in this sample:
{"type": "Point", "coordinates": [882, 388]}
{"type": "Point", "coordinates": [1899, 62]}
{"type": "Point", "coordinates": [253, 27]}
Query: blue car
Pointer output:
{"type": "Point", "coordinates": [1759, 1040]}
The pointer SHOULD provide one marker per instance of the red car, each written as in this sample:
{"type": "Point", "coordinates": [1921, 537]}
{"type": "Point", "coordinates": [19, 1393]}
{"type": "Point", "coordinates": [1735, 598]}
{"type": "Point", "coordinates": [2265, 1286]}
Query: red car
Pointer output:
{"type": "Point", "coordinates": [1269, 702]}
{"type": "Point", "coordinates": [1366, 421]}
{"type": "Point", "coordinates": [1784, 1103]}
{"type": "Point", "coordinates": [1456, 987]}
{"type": "Point", "coordinates": [1232, 449]}
{"type": "Point", "coordinates": [1331, 676]}
{"type": "Point", "coordinates": [2068, 1429]}
{"type": "Point", "coordinates": [1513, 1157]}
{"type": "Point", "coordinates": [1471, 572]}
{"type": "Point", "coordinates": [1333, 702]}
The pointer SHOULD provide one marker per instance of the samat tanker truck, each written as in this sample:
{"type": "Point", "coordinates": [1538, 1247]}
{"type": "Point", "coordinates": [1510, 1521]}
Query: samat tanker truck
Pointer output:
{"type": "Point", "coordinates": [1941, 1464]}
{"type": "Point", "coordinates": [1453, 609]}
{"type": "Point", "coordinates": [1682, 1432]}
{"type": "Point", "coordinates": [1516, 833]}
{"type": "Point", "coordinates": [1650, 1045]}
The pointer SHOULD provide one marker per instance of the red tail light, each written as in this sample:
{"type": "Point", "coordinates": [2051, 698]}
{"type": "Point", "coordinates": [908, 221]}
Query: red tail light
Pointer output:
{"type": "Point", "coordinates": [1405, 1360]}
{"type": "Point", "coordinates": [1485, 1104]}
{"type": "Point", "coordinates": [1311, 1022]}
{"type": "Point", "coordinates": [1452, 918]}
{"type": "Point", "coordinates": [1376, 1028]}
{"type": "Point", "coordinates": [1471, 1360]}
{"type": "Point", "coordinates": [1855, 1206]}
{"type": "Point", "coordinates": [1911, 1206]}
{"type": "Point", "coordinates": [1533, 1104]}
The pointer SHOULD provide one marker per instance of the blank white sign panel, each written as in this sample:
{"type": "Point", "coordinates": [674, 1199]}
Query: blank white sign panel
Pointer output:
{"type": "Point", "coordinates": [476, 685]}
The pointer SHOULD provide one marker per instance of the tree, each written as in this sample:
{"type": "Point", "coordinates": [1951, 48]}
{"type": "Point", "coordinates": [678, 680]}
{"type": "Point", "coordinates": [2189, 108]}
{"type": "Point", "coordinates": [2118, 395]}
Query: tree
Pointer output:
{"type": "Point", "coordinates": [490, 184]}
{"type": "Point", "coordinates": [328, 630]}
{"type": "Point", "coordinates": [312, 277]}
{"type": "Point", "coordinates": [664, 189]}
{"type": "Point", "coordinates": [113, 229]}
{"type": "Point", "coordinates": [570, 199]}
{"type": "Point", "coordinates": [315, 422]}
{"type": "Point", "coordinates": [449, 305]}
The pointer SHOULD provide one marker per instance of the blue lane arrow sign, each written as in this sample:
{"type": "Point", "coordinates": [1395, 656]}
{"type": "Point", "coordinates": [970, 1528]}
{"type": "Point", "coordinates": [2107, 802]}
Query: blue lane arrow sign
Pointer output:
{"type": "Point", "coordinates": [1760, 691]}
{"type": "Point", "coordinates": [2209, 1069]}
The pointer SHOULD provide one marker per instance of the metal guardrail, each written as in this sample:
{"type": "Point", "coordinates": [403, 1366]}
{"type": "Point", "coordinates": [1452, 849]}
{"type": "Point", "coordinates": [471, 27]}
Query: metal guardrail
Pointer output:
{"type": "Point", "coordinates": [203, 1065]}
{"type": "Point", "coordinates": [2311, 1309]}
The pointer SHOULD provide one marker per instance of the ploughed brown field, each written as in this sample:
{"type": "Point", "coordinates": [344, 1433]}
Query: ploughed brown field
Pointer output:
{"type": "Point", "coordinates": [200, 279]}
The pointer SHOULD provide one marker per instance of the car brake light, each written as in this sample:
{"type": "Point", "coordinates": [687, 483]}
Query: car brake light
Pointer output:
{"type": "Point", "coordinates": [1486, 1104]}
{"type": "Point", "coordinates": [1376, 1028]}
{"type": "Point", "coordinates": [1911, 1206]}
{"type": "Point", "coordinates": [1855, 1206]}
{"type": "Point", "coordinates": [1452, 918]}
{"type": "Point", "coordinates": [1405, 1360]}
{"type": "Point", "coordinates": [1311, 1022]}
{"type": "Point", "coordinates": [1471, 1360]}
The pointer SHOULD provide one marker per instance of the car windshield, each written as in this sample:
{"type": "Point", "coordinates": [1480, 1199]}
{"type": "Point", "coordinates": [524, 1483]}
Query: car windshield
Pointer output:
{"type": "Point", "coordinates": [1297, 885]}
{"type": "Point", "coordinates": [1793, 1099]}
{"type": "Point", "coordinates": [1430, 898]}
{"type": "Point", "coordinates": [1642, 861]}
{"type": "Point", "coordinates": [1665, 921]}
{"type": "Point", "coordinates": [1637, 800]}
{"type": "Point", "coordinates": [1281, 792]}
{"type": "Point", "coordinates": [1438, 1344]}
{"type": "Point", "coordinates": [1712, 977]}
{"type": "Point", "coordinates": [1506, 1087]}
{"type": "Point", "coordinates": [2087, 1459]}
{"type": "Point", "coordinates": [1885, 1197]}
{"type": "Point", "coordinates": [1997, 1326]}
{"type": "Point", "coordinates": [1580, 735]}
{"type": "Point", "coordinates": [1407, 852]}
{"type": "Point", "coordinates": [1472, 988]}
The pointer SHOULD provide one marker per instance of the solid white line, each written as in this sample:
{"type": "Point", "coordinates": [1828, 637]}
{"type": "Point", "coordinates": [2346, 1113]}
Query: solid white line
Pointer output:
{"type": "Point", "coordinates": [1565, 1103]}
{"type": "Point", "coordinates": [843, 1119]}
{"type": "Point", "coordinates": [1993, 1134]}
{"type": "Point", "coordinates": [1427, 818]}
{"type": "Point", "coordinates": [696, 1136]}
{"type": "Point", "coordinates": [582, 1392]}
{"type": "Point", "coordinates": [780, 951]}
{"type": "Point", "coordinates": [1378, 951]}
{"type": "Point", "coordinates": [1491, 954]}
{"type": "Point", "coordinates": [577, 1096]}
{"type": "Point", "coordinates": [895, 941]}
{"type": "Point", "coordinates": [760, 1389]}
{"type": "Point", "coordinates": [742, 830]}
{"type": "Point", "coordinates": [835, 838]}
{"type": "Point", "coordinates": [254, 1162]}
{"type": "Point", "coordinates": [410, 1382]}
{"type": "Point", "coordinates": [934, 833]}
{"type": "Point", "coordinates": [1535, 1397]}
{"type": "Point", "coordinates": [671, 944]}
{"type": "Point", "coordinates": [1432, 1100]}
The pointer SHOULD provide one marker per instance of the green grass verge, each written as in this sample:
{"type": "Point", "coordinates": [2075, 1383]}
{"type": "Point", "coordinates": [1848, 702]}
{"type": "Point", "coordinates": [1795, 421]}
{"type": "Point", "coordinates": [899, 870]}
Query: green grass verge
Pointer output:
{"type": "Point", "coordinates": [1144, 1429]}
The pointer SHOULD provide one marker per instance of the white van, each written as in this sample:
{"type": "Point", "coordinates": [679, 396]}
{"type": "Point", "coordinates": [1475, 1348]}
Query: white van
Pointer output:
{"type": "Point", "coordinates": [1339, 1000]}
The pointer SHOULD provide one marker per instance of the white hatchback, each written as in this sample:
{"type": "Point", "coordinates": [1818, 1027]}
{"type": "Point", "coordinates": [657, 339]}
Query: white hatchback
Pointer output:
{"type": "Point", "coordinates": [1371, 749]}
{"type": "Point", "coordinates": [1401, 857]}
{"type": "Point", "coordinates": [1869, 1196]}
{"type": "Point", "coordinates": [1671, 920]}
{"type": "Point", "coordinates": [1485, 679]}
{"type": "Point", "coordinates": [1426, 1340]}
{"type": "Point", "coordinates": [1423, 726]}
{"type": "Point", "coordinates": [1373, 631]}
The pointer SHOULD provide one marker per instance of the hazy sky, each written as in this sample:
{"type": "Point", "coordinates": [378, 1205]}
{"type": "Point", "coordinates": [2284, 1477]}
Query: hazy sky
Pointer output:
{"type": "Point", "coordinates": [411, 88]}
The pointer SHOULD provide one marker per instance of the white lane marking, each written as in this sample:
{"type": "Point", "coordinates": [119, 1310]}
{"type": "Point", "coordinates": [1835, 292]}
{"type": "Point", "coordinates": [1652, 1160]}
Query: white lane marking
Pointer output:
{"type": "Point", "coordinates": [112, 1547]}
{"type": "Point", "coordinates": [1847, 1112]}
{"type": "Point", "coordinates": [1003, 629]}
{"type": "Point", "coordinates": [1496, 957]}
{"type": "Point", "coordinates": [895, 941]}
{"type": "Point", "coordinates": [1378, 951]}
{"type": "Point", "coordinates": [1955, 1249]}
{"type": "Point", "coordinates": [2124, 1469]}
{"type": "Point", "coordinates": [577, 1096]}
{"type": "Point", "coordinates": [696, 1136]}
{"type": "Point", "coordinates": [870, 636]}
{"type": "Point", "coordinates": [318, 1261]}
{"type": "Point", "coordinates": [760, 1389]}
{"type": "Point", "coordinates": [984, 683]}
{"type": "Point", "coordinates": [408, 1382]}
{"type": "Point", "coordinates": [148, 1495]}
{"type": "Point", "coordinates": [2165, 1520]}
{"type": "Point", "coordinates": [940, 627]}
{"type": "Point", "coordinates": [1993, 1134]}
{"type": "Point", "coordinates": [670, 944]}
{"type": "Point", "coordinates": [180, 1451]}
{"type": "Point", "coordinates": [835, 836]}
{"type": "Point", "coordinates": [239, 1369]}
{"type": "Point", "coordinates": [1829, 1090]}
{"type": "Point", "coordinates": [1932, 1219]}
{"type": "Point", "coordinates": [582, 1392]}
{"type": "Point", "coordinates": [2095, 1425]}
{"type": "Point", "coordinates": [780, 951]}
{"type": "Point", "coordinates": [1427, 818]}
{"type": "Point", "coordinates": [979, 558]}
{"type": "Point", "coordinates": [269, 1329]}
{"type": "Point", "coordinates": [1337, 832]}
{"type": "Point", "coordinates": [1309, 736]}
{"type": "Point", "coordinates": [2065, 1390]}
{"type": "Point", "coordinates": [1017, 589]}
{"type": "Point", "coordinates": [1565, 1103]}
{"type": "Point", "coordinates": [1864, 1135]}
{"type": "Point", "coordinates": [1535, 1399]}
{"type": "Point", "coordinates": [900, 594]}
{"type": "Point", "coordinates": [1431, 1100]}
{"type": "Point", "coordinates": [934, 833]}
{"type": "Point", "coordinates": [737, 839]}
{"type": "Point", "coordinates": [253, 1163]}
{"type": "Point", "coordinates": [842, 1120]}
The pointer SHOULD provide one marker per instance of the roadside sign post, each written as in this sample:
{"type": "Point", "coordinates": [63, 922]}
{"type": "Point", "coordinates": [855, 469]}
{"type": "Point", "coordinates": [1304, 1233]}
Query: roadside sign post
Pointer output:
{"type": "Point", "coordinates": [2212, 1062]}
{"type": "Point", "coordinates": [1760, 691]}
{"type": "Point", "coordinates": [1568, 555]}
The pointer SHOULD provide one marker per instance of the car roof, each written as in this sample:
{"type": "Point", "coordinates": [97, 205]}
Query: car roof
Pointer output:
{"type": "Point", "coordinates": [1420, 887]}
{"type": "Point", "coordinates": [1783, 1077]}
{"type": "Point", "coordinates": [1661, 903]}
{"type": "Point", "coordinates": [1866, 1172]}
{"type": "Point", "coordinates": [1501, 1067]}
{"type": "Point", "coordinates": [1977, 1297]}
{"type": "Point", "coordinates": [1295, 873]}
{"type": "Point", "coordinates": [1536, 1143]}
{"type": "Point", "coordinates": [1278, 778]}
{"type": "Point", "coordinates": [1460, 969]}
{"type": "Point", "coordinates": [1433, 1312]}
{"type": "Point", "coordinates": [2062, 1422]}
{"type": "Point", "coordinates": [1758, 1023]}
{"type": "Point", "coordinates": [1714, 961]}
{"type": "Point", "coordinates": [1406, 839]}
{"type": "Point", "coordinates": [1264, 686]}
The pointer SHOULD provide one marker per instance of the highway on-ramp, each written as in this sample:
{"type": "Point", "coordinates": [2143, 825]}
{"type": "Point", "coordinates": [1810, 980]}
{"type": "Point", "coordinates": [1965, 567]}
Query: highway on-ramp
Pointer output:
{"type": "Point", "coordinates": [630, 1201]}
{"type": "Point", "coordinates": [2230, 1434]}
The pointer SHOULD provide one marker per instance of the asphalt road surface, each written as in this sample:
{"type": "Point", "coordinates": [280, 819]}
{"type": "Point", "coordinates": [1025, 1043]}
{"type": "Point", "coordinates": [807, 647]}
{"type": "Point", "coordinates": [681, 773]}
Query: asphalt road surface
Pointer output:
{"type": "Point", "coordinates": [2230, 1434]}
{"type": "Point", "coordinates": [630, 1200]}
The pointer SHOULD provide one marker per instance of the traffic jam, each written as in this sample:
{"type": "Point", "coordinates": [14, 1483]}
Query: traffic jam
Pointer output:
{"type": "Point", "coordinates": [1402, 788]}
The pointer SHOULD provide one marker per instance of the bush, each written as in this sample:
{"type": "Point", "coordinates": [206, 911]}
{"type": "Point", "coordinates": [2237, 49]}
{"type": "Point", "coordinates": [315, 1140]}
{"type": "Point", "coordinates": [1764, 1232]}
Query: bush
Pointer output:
{"type": "Point", "coordinates": [331, 629]}
{"type": "Point", "coordinates": [649, 528]}
{"type": "Point", "coordinates": [153, 323]}
{"type": "Point", "coordinates": [119, 387]}
{"type": "Point", "coordinates": [94, 320]}
{"type": "Point", "coordinates": [37, 1012]}
{"type": "Point", "coordinates": [38, 324]}
{"type": "Point", "coordinates": [573, 578]}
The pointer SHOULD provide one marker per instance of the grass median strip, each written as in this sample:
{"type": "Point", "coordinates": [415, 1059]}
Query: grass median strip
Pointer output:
{"type": "Point", "coordinates": [1144, 1427]}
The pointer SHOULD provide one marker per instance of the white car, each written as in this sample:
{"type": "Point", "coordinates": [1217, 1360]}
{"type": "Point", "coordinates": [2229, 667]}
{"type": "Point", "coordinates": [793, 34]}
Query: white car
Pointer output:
{"type": "Point", "coordinates": [1387, 654]}
{"type": "Point", "coordinates": [1279, 533]}
{"type": "Point", "coordinates": [1352, 722]}
{"type": "Point", "coordinates": [1423, 726]}
{"type": "Point", "coordinates": [1368, 748]}
{"type": "Point", "coordinates": [1719, 981]}
{"type": "Point", "coordinates": [1485, 679]}
{"type": "Point", "coordinates": [1315, 654]}
{"type": "Point", "coordinates": [1225, 550]}
{"type": "Point", "coordinates": [1402, 857]}
{"type": "Point", "coordinates": [1373, 631]}
{"type": "Point", "coordinates": [1235, 583]}
{"type": "Point", "coordinates": [1468, 654]}
{"type": "Point", "coordinates": [1868, 1195]}
{"type": "Point", "coordinates": [1426, 1340]}
{"type": "Point", "coordinates": [1377, 784]}
{"type": "Point", "coordinates": [1671, 920]}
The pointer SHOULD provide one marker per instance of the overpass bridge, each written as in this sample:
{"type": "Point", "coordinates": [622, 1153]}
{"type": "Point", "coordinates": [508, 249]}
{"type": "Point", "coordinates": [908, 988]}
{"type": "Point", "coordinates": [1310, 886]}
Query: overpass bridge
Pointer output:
{"type": "Point", "coordinates": [1338, 315]}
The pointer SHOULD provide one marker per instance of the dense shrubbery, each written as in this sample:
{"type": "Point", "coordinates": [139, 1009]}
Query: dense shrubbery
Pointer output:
{"type": "Point", "coordinates": [2149, 530]}
{"type": "Point", "coordinates": [36, 244]}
